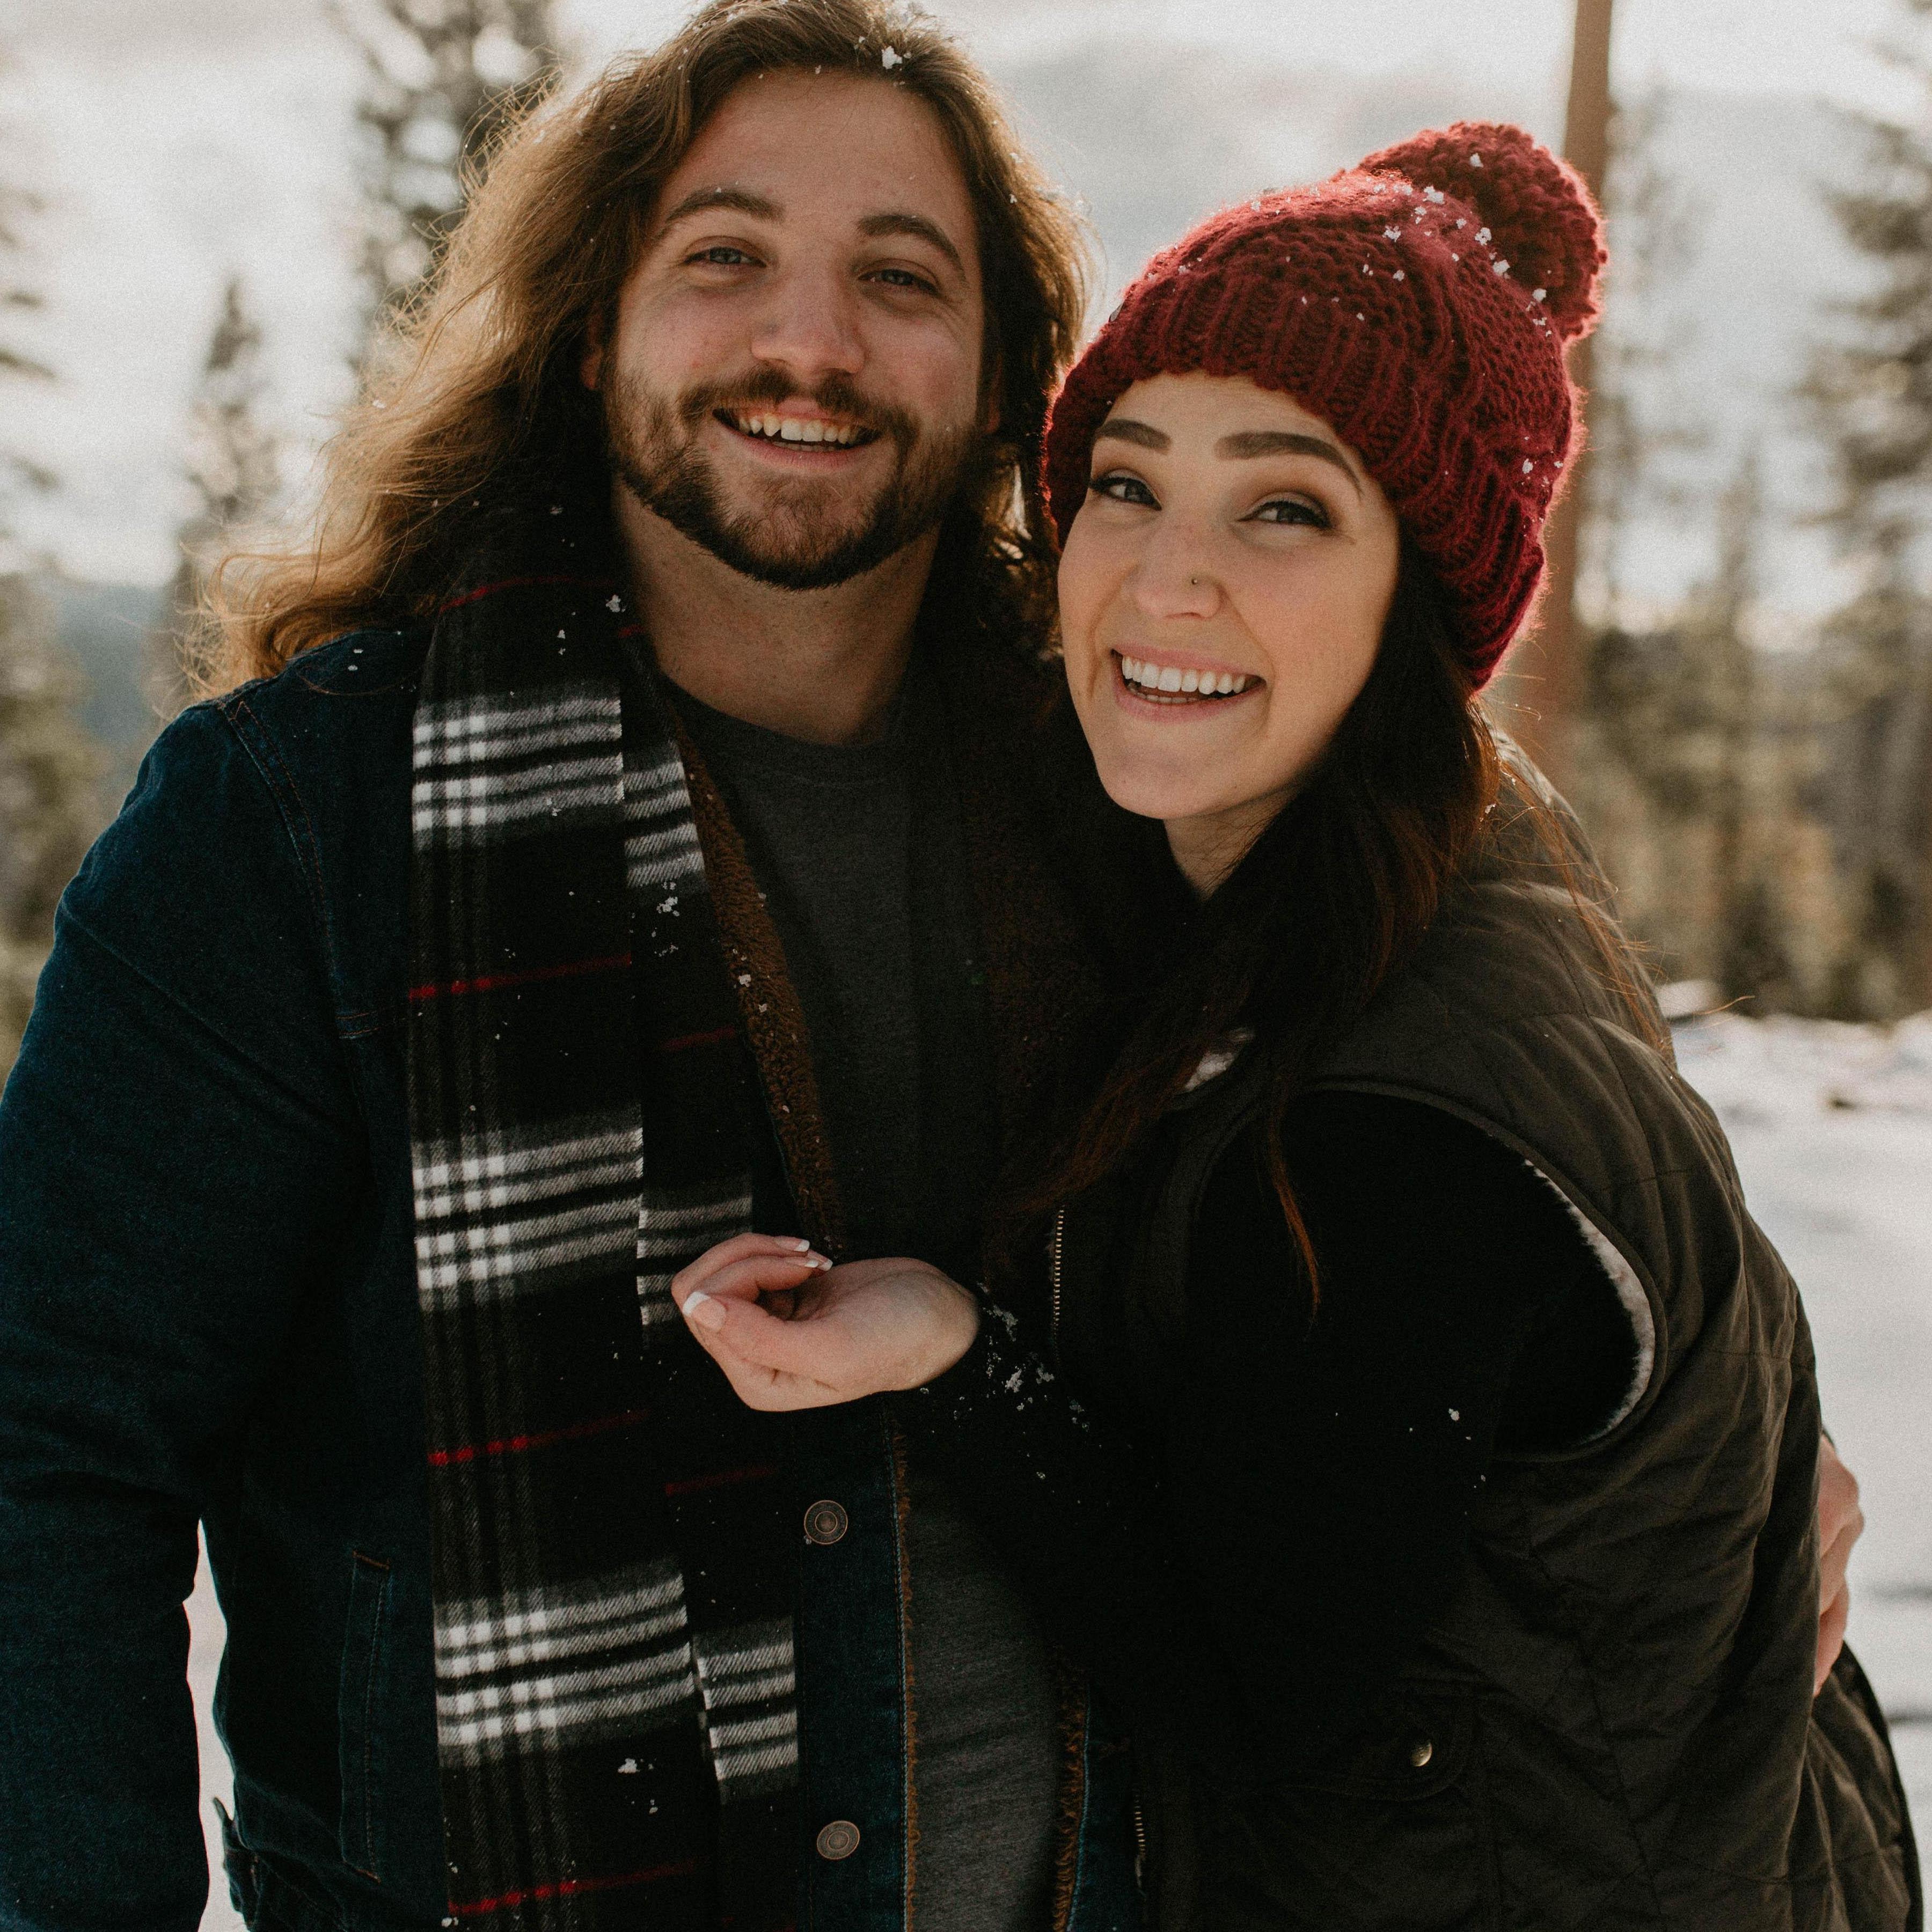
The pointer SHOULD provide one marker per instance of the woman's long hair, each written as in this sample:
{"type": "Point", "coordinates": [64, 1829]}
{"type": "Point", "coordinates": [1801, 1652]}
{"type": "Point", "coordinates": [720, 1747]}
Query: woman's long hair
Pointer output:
{"type": "Point", "coordinates": [1330, 900]}
{"type": "Point", "coordinates": [476, 400]}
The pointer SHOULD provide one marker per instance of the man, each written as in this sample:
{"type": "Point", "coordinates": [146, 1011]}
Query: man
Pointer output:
{"type": "Point", "coordinates": [668, 852]}
{"type": "Point", "coordinates": [745, 353]}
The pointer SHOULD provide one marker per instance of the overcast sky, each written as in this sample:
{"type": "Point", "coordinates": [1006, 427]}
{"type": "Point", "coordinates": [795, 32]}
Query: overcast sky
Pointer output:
{"type": "Point", "coordinates": [179, 141]}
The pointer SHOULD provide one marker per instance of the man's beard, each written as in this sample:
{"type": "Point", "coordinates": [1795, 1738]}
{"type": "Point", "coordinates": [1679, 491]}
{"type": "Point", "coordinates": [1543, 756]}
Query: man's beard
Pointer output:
{"type": "Point", "coordinates": [794, 539]}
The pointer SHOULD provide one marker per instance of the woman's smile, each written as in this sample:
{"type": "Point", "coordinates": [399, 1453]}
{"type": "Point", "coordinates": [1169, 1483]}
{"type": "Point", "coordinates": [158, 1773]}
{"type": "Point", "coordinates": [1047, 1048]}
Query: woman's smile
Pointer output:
{"type": "Point", "coordinates": [1172, 687]}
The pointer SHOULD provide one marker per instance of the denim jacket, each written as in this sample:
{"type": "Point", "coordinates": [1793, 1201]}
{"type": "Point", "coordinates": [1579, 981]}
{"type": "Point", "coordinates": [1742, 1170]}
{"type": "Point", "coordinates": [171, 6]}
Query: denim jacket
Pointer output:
{"type": "Point", "coordinates": [208, 1314]}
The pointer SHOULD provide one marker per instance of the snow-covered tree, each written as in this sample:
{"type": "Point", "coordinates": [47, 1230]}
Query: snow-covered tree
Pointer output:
{"type": "Point", "coordinates": [1871, 388]}
{"type": "Point", "coordinates": [19, 363]}
{"type": "Point", "coordinates": [442, 79]}
{"type": "Point", "coordinates": [47, 763]}
{"type": "Point", "coordinates": [48, 811]}
{"type": "Point", "coordinates": [232, 470]}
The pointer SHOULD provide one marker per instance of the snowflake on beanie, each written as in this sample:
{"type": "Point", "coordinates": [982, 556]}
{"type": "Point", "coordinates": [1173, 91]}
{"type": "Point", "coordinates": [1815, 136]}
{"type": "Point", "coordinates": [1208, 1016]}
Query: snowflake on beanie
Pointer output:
{"type": "Point", "coordinates": [1420, 304]}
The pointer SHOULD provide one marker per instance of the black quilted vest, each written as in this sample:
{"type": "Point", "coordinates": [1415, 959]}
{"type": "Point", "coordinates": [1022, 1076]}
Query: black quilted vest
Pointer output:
{"type": "Point", "coordinates": [1612, 1726]}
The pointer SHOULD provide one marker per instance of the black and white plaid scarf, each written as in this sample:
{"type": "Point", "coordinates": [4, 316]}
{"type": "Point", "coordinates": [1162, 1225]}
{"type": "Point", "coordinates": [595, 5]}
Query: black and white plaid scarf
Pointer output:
{"type": "Point", "coordinates": [615, 1713]}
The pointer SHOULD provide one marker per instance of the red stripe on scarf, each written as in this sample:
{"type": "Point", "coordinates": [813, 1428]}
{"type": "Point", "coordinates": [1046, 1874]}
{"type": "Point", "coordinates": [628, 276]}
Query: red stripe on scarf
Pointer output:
{"type": "Point", "coordinates": [484, 590]}
{"type": "Point", "coordinates": [716, 1037]}
{"type": "Point", "coordinates": [493, 982]}
{"type": "Point", "coordinates": [722, 1480]}
{"type": "Point", "coordinates": [565, 1888]}
{"type": "Point", "coordinates": [514, 1445]}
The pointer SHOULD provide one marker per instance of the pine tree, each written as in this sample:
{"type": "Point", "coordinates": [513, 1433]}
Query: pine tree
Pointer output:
{"type": "Point", "coordinates": [47, 764]}
{"type": "Point", "coordinates": [232, 469]}
{"type": "Point", "coordinates": [443, 78]}
{"type": "Point", "coordinates": [1871, 389]}
{"type": "Point", "coordinates": [18, 361]}
{"type": "Point", "coordinates": [48, 811]}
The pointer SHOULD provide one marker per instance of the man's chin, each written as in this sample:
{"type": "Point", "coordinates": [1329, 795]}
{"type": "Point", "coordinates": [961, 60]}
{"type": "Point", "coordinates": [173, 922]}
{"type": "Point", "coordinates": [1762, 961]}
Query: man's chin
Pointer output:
{"type": "Point", "coordinates": [785, 553]}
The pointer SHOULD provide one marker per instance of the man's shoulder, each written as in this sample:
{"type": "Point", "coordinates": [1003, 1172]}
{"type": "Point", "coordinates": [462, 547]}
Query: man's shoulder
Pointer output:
{"type": "Point", "coordinates": [374, 669]}
{"type": "Point", "coordinates": [339, 711]}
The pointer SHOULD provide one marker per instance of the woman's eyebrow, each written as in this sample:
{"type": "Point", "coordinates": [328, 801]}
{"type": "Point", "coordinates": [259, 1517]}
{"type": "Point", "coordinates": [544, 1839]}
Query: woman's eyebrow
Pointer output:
{"type": "Point", "coordinates": [1128, 430]}
{"type": "Point", "coordinates": [1271, 442]}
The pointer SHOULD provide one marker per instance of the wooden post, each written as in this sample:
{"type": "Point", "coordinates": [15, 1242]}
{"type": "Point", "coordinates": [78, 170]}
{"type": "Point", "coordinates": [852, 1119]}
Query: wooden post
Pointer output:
{"type": "Point", "coordinates": [1547, 671]}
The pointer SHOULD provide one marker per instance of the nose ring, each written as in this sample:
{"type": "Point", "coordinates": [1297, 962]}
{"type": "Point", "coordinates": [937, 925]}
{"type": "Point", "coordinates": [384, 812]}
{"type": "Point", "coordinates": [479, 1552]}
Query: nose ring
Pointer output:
{"type": "Point", "coordinates": [1196, 581]}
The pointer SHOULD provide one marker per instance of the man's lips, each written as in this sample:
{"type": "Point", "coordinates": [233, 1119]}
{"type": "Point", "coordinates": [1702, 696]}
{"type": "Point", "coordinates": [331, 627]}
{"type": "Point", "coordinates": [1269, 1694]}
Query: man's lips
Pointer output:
{"type": "Point", "coordinates": [796, 431]}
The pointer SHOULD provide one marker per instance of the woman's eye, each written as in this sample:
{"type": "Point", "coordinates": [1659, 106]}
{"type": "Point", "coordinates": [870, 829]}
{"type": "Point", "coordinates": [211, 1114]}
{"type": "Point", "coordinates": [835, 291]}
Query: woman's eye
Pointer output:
{"type": "Point", "coordinates": [904, 278]}
{"type": "Point", "coordinates": [724, 255]}
{"type": "Point", "coordinates": [1291, 510]}
{"type": "Point", "coordinates": [1122, 489]}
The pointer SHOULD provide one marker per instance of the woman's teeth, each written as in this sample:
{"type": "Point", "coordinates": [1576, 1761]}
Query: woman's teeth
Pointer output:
{"type": "Point", "coordinates": [1165, 678]}
{"type": "Point", "coordinates": [799, 429]}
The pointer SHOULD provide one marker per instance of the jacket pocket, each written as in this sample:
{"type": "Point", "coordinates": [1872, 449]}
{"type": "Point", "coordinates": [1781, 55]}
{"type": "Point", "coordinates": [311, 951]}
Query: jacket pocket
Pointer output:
{"type": "Point", "coordinates": [1395, 1833]}
{"type": "Point", "coordinates": [364, 1695]}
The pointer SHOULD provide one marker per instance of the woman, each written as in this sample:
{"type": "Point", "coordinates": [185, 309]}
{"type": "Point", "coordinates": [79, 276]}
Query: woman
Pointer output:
{"type": "Point", "coordinates": [1431, 1479]}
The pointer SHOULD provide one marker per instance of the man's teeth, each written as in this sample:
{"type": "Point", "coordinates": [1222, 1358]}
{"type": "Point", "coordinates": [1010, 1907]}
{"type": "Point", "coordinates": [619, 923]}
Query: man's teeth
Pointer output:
{"type": "Point", "coordinates": [1166, 678]}
{"type": "Point", "coordinates": [800, 429]}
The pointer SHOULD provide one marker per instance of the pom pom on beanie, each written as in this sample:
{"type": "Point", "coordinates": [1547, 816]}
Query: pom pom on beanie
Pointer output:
{"type": "Point", "coordinates": [1419, 304]}
{"type": "Point", "coordinates": [1536, 208]}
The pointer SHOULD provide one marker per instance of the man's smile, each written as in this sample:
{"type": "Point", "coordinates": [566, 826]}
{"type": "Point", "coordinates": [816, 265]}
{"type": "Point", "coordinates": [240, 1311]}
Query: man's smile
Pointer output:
{"type": "Point", "coordinates": [819, 433]}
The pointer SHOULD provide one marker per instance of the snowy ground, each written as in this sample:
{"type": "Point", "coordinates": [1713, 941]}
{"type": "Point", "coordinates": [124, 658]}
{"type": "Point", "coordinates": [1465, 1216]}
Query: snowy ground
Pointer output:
{"type": "Point", "coordinates": [1832, 1125]}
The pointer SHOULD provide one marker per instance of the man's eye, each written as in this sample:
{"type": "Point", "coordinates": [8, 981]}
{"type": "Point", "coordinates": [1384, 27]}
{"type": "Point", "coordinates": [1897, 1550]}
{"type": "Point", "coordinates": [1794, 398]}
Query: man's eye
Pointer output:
{"type": "Point", "coordinates": [1123, 489]}
{"type": "Point", "coordinates": [1291, 510]}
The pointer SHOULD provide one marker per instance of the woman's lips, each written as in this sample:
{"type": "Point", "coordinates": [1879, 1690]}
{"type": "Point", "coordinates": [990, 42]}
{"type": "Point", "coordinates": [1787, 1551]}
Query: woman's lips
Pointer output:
{"type": "Point", "coordinates": [1168, 691]}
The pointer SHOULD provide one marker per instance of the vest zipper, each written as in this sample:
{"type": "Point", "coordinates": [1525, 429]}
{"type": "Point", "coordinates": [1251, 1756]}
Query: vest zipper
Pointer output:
{"type": "Point", "coordinates": [1140, 1847]}
{"type": "Point", "coordinates": [1056, 1255]}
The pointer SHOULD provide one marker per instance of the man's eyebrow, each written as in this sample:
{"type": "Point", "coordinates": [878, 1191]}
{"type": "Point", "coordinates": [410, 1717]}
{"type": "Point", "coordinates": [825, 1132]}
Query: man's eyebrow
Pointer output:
{"type": "Point", "coordinates": [739, 200]}
{"type": "Point", "coordinates": [1271, 442]}
{"type": "Point", "coordinates": [1128, 430]}
{"type": "Point", "coordinates": [904, 222]}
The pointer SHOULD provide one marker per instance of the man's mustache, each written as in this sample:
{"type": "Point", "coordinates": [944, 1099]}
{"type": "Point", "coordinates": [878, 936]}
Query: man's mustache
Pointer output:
{"type": "Point", "coordinates": [836, 395]}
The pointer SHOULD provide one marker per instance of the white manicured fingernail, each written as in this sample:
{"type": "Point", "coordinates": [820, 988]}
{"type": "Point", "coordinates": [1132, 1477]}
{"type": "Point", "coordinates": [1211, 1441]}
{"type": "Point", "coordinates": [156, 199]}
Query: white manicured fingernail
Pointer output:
{"type": "Point", "coordinates": [704, 1311]}
{"type": "Point", "coordinates": [803, 1247]}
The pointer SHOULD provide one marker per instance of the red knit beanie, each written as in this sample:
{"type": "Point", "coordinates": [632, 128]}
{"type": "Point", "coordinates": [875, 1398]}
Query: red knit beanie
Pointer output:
{"type": "Point", "coordinates": [1419, 304]}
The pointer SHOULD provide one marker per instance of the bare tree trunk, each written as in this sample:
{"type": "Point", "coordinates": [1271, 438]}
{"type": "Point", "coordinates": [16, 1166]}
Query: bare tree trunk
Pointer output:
{"type": "Point", "coordinates": [1548, 673]}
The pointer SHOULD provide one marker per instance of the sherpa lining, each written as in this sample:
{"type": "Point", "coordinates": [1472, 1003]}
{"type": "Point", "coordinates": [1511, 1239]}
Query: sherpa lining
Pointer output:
{"type": "Point", "coordinates": [1630, 1298]}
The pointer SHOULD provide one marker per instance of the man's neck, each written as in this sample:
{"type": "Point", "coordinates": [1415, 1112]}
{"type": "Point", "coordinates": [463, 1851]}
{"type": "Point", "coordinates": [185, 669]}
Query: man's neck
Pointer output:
{"type": "Point", "coordinates": [821, 665]}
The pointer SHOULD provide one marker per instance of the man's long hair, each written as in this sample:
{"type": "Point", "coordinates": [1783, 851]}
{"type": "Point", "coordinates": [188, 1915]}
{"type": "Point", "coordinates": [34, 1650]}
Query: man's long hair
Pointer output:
{"type": "Point", "coordinates": [477, 402]}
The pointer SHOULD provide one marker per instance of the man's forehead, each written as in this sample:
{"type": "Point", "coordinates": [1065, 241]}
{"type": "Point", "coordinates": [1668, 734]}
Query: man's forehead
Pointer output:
{"type": "Point", "coordinates": [866, 150]}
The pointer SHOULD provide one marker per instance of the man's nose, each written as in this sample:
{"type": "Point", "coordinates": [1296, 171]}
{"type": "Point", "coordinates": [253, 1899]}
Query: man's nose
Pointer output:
{"type": "Point", "coordinates": [811, 327]}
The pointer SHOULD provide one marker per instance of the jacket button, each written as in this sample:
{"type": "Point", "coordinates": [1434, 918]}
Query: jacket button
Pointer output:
{"type": "Point", "coordinates": [1421, 1752]}
{"type": "Point", "coordinates": [839, 1839]}
{"type": "Point", "coordinates": [825, 1523]}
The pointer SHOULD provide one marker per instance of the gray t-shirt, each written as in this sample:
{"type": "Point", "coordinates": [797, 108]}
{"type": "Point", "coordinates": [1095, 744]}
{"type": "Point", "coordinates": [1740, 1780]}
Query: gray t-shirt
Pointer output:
{"type": "Point", "coordinates": [860, 852]}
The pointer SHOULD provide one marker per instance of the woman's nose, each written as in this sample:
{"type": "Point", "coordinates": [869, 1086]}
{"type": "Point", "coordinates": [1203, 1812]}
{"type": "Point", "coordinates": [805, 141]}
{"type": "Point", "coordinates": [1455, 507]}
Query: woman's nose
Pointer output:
{"type": "Point", "coordinates": [1175, 576]}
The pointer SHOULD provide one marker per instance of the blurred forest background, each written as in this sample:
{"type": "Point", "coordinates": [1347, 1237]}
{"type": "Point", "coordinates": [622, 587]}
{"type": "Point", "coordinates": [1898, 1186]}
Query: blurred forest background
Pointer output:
{"type": "Point", "coordinates": [1746, 722]}
{"type": "Point", "coordinates": [206, 205]}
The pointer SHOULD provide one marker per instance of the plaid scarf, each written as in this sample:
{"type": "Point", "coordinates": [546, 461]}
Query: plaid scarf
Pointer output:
{"type": "Point", "coordinates": [612, 1577]}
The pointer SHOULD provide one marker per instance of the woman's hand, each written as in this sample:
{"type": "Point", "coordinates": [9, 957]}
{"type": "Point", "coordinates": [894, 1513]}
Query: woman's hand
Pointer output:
{"type": "Point", "coordinates": [1841, 1523]}
{"type": "Point", "coordinates": [792, 1331]}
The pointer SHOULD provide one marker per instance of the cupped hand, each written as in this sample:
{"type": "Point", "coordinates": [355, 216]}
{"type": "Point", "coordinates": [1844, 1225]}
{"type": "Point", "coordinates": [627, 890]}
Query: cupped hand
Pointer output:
{"type": "Point", "coordinates": [1841, 1523]}
{"type": "Point", "coordinates": [790, 1330]}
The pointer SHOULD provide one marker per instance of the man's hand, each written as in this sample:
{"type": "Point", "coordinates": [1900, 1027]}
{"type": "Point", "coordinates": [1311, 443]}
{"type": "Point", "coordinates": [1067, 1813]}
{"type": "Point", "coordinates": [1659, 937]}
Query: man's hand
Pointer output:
{"type": "Point", "coordinates": [792, 1331]}
{"type": "Point", "coordinates": [1840, 1521]}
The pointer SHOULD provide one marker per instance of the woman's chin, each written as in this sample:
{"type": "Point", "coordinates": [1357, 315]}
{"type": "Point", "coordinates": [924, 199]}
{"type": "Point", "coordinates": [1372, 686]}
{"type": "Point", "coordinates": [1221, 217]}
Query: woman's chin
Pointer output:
{"type": "Point", "coordinates": [1150, 791]}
